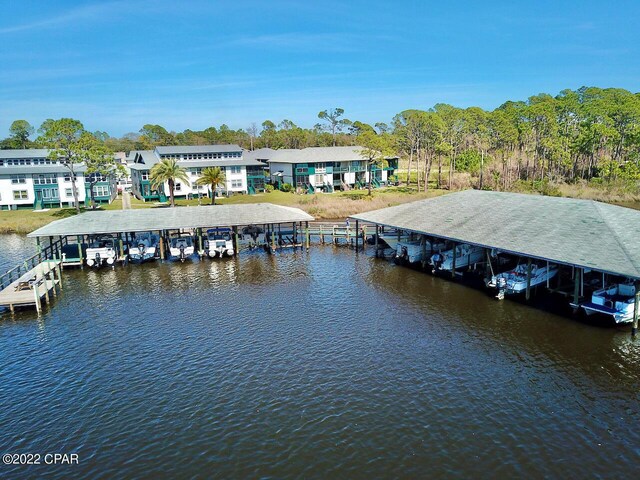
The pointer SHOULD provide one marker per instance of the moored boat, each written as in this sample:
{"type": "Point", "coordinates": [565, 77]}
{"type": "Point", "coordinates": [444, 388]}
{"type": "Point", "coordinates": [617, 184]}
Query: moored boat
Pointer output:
{"type": "Point", "coordinates": [515, 281]}
{"type": "Point", "coordinates": [465, 255]}
{"type": "Point", "coordinates": [615, 301]}
{"type": "Point", "coordinates": [219, 243]}
{"type": "Point", "coordinates": [143, 247]}
{"type": "Point", "coordinates": [412, 251]}
{"type": "Point", "coordinates": [392, 240]}
{"type": "Point", "coordinates": [103, 249]}
{"type": "Point", "coordinates": [181, 247]}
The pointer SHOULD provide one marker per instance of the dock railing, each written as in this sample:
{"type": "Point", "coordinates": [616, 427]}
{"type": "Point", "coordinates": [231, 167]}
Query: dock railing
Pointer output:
{"type": "Point", "coordinates": [52, 251]}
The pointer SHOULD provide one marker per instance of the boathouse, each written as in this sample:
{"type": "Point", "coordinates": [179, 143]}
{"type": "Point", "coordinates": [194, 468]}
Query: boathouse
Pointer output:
{"type": "Point", "coordinates": [161, 219]}
{"type": "Point", "coordinates": [587, 237]}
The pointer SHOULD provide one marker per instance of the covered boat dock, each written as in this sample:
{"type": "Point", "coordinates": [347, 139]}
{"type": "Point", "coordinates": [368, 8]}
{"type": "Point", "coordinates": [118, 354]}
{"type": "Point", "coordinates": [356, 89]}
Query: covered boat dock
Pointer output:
{"type": "Point", "coordinates": [269, 218]}
{"type": "Point", "coordinates": [583, 235]}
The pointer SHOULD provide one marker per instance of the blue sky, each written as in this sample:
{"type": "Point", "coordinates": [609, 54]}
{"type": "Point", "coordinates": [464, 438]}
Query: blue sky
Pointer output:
{"type": "Point", "coordinates": [116, 65]}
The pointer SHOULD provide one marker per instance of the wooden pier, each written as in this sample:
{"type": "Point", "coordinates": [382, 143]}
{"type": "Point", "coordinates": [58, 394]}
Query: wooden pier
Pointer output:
{"type": "Point", "coordinates": [28, 290]}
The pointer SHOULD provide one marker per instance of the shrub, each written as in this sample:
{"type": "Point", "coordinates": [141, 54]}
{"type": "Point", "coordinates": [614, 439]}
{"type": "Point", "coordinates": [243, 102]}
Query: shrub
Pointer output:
{"type": "Point", "coordinates": [461, 181]}
{"type": "Point", "coordinates": [286, 187]}
{"type": "Point", "coordinates": [268, 188]}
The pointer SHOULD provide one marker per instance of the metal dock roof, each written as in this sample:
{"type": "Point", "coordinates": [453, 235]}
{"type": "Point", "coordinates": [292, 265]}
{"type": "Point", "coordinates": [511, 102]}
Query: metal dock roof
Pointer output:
{"type": "Point", "coordinates": [582, 233]}
{"type": "Point", "coordinates": [146, 219]}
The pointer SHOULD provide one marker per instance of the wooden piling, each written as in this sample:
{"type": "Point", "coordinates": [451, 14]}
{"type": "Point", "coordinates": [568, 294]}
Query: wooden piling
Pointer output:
{"type": "Point", "coordinates": [576, 286]}
{"type": "Point", "coordinates": [376, 240]}
{"type": "Point", "coordinates": [453, 261]}
{"type": "Point", "coordinates": [357, 229]}
{"type": "Point", "coordinates": [235, 240]}
{"type": "Point", "coordinates": [36, 294]}
{"type": "Point", "coordinates": [528, 292]}
{"type": "Point", "coordinates": [161, 246]}
{"type": "Point", "coordinates": [59, 272]}
{"type": "Point", "coordinates": [636, 311]}
{"type": "Point", "coordinates": [307, 234]}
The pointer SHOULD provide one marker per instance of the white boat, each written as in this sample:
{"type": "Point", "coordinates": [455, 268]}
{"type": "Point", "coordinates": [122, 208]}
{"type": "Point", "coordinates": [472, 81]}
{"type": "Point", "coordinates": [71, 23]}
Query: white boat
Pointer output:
{"type": "Point", "coordinates": [465, 255]}
{"type": "Point", "coordinates": [411, 252]}
{"type": "Point", "coordinates": [254, 235]}
{"type": "Point", "coordinates": [144, 246]}
{"type": "Point", "coordinates": [181, 247]}
{"type": "Point", "coordinates": [615, 301]}
{"type": "Point", "coordinates": [391, 239]}
{"type": "Point", "coordinates": [103, 249]}
{"type": "Point", "coordinates": [515, 281]}
{"type": "Point", "coordinates": [219, 243]}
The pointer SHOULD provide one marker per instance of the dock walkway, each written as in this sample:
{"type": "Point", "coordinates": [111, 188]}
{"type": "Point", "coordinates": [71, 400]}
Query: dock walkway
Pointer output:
{"type": "Point", "coordinates": [33, 286]}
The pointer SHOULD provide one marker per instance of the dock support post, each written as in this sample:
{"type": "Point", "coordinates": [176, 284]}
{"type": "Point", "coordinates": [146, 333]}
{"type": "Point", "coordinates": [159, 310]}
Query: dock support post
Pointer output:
{"type": "Point", "coordinates": [357, 230]}
{"type": "Point", "coordinates": [59, 271]}
{"type": "Point", "coordinates": [576, 286]}
{"type": "Point", "coordinates": [235, 240]}
{"type": "Point", "coordinates": [37, 297]}
{"type": "Point", "coordinates": [528, 293]}
{"type": "Point", "coordinates": [376, 240]}
{"type": "Point", "coordinates": [453, 261]}
{"type": "Point", "coordinates": [636, 307]}
{"type": "Point", "coordinates": [307, 234]}
{"type": "Point", "coordinates": [295, 235]}
{"type": "Point", "coordinates": [80, 252]}
{"type": "Point", "coordinates": [273, 240]}
{"type": "Point", "coordinates": [548, 274]}
{"type": "Point", "coordinates": [161, 247]}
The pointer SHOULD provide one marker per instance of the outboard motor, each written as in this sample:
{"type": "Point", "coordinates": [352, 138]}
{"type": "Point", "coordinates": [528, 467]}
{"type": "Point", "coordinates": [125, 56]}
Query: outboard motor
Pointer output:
{"type": "Point", "coordinates": [98, 259]}
{"type": "Point", "coordinates": [182, 255]}
{"type": "Point", "coordinates": [437, 262]}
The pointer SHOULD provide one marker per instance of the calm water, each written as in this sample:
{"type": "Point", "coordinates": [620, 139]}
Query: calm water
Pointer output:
{"type": "Point", "coordinates": [319, 364]}
{"type": "Point", "coordinates": [14, 249]}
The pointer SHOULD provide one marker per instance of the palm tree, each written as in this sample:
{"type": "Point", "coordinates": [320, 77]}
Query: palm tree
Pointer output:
{"type": "Point", "coordinates": [169, 171]}
{"type": "Point", "coordinates": [213, 176]}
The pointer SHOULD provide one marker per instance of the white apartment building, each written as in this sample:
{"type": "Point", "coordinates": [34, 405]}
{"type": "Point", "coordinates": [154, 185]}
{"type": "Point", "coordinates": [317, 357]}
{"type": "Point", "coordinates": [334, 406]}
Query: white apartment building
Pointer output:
{"type": "Point", "coordinates": [242, 175]}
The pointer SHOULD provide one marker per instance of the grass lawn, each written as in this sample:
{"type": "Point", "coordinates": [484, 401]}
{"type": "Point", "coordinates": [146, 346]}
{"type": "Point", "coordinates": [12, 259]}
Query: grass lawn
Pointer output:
{"type": "Point", "coordinates": [328, 206]}
{"type": "Point", "coordinates": [321, 206]}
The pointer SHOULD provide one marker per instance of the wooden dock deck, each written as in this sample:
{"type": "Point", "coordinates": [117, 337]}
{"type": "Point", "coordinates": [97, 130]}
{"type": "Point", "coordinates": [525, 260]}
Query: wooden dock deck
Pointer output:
{"type": "Point", "coordinates": [31, 288]}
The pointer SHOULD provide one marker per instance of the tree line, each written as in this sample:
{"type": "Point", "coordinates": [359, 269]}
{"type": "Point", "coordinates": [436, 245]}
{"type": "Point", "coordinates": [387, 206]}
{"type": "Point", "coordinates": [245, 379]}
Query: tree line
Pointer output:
{"type": "Point", "coordinates": [584, 134]}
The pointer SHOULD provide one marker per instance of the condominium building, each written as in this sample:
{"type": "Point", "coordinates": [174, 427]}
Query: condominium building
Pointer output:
{"type": "Point", "coordinates": [30, 179]}
{"type": "Point", "coordinates": [325, 169]}
{"type": "Point", "coordinates": [242, 174]}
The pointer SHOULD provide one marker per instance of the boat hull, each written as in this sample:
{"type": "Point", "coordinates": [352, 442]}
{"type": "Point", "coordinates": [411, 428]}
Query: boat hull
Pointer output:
{"type": "Point", "coordinates": [181, 254]}
{"type": "Point", "coordinates": [464, 258]}
{"type": "Point", "coordinates": [618, 316]}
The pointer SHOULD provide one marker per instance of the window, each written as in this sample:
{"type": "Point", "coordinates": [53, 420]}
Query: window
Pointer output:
{"type": "Point", "coordinates": [196, 171]}
{"type": "Point", "coordinates": [178, 187]}
{"type": "Point", "coordinates": [18, 179]}
{"type": "Point", "coordinates": [67, 177]}
{"type": "Point", "coordinates": [236, 183]}
{"type": "Point", "coordinates": [101, 191]}
{"type": "Point", "coordinates": [236, 170]}
{"type": "Point", "coordinates": [49, 193]}
{"type": "Point", "coordinates": [68, 192]}
{"type": "Point", "coordinates": [319, 180]}
{"type": "Point", "coordinates": [45, 179]}
{"type": "Point", "coordinates": [96, 177]}
{"type": "Point", "coordinates": [20, 195]}
{"type": "Point", "coordinates": [144, 175]}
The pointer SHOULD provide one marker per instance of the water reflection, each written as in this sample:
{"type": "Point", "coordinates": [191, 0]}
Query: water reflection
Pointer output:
{"type": "Point", "coordinates": [304, 362]}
